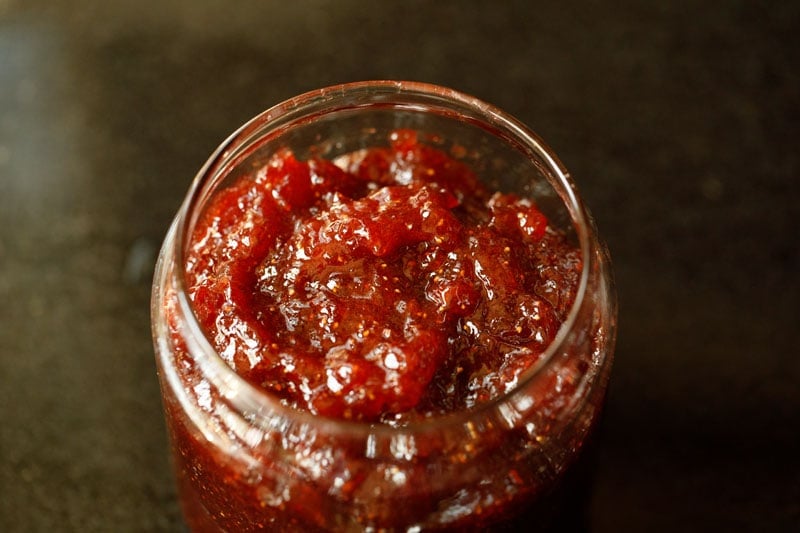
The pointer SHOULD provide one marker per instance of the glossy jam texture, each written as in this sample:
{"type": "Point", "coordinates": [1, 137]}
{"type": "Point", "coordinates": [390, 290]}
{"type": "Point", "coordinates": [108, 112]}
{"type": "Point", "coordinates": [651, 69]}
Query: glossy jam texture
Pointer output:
{"type": "Point", "coordinates": [386, 285]}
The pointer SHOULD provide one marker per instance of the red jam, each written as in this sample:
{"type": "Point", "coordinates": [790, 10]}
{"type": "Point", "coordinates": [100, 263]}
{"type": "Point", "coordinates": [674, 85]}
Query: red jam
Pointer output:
{"type": "Point", "coordinates": [385, 286]}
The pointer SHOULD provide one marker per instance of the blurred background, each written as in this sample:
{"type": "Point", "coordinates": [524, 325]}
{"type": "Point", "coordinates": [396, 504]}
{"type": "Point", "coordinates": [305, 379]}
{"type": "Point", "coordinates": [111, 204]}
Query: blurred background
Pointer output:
{"type": "Point", "coordinates": [679, 122]}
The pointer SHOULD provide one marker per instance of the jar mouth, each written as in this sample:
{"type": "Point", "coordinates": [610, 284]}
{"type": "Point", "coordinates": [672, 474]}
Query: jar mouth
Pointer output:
{"type": "Point", "coordinates": [406, 95]}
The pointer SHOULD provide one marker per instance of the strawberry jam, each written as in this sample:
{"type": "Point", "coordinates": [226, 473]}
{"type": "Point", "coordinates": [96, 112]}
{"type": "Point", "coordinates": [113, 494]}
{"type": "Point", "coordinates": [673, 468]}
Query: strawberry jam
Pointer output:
{"type": "Point", "coordinates": [392, 338]}
{"type": "Point", "coordinates": [386, 286]}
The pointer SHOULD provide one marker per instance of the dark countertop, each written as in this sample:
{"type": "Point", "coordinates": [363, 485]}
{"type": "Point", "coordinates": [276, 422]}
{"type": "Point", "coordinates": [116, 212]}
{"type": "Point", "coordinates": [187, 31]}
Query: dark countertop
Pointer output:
{"type": "Point", "coordinates": [680, 124]}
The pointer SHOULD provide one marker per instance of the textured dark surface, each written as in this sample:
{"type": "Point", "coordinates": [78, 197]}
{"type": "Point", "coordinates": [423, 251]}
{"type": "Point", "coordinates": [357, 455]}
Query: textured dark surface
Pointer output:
{"type": "Point", "coordinates": [680, 124]}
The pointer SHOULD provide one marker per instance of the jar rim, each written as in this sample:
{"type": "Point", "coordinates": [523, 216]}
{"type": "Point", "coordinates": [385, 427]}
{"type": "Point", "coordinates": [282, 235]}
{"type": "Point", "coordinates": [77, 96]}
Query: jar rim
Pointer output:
{"type": "Point", "coordinates": [258, 402]}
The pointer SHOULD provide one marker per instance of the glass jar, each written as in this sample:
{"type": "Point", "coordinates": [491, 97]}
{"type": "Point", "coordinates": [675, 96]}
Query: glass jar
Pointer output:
{"type": "Point", "coordinates": [246, 462]}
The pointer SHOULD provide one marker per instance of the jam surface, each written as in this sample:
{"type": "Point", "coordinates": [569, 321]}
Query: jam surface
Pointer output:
{"type": "Point", "coordinates": [385, 286]}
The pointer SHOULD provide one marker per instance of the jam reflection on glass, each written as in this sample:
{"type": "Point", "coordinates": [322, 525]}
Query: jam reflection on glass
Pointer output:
{"type": "Point", "coordinates": [388, 286]}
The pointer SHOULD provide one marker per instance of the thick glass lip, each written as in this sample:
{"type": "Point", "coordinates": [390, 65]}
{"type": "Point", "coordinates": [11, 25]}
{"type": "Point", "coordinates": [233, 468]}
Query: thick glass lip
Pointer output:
{"type": "Point", "coordinates": [260, 406]}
